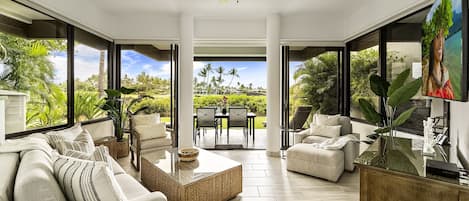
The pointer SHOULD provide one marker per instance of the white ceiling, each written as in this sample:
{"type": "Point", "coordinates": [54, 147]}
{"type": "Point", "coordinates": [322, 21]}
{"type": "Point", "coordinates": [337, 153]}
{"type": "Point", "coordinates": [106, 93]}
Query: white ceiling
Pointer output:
{"type": "Point", "coordinates": [225, 7]}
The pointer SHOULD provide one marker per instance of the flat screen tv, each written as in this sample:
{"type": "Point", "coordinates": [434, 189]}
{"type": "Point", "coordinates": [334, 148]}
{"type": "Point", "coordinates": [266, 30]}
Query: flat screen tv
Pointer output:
{"type": "Point", "coordinates": [444, 51]}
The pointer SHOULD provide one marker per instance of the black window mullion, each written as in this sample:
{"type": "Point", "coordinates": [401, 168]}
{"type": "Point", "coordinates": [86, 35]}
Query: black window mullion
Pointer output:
{"type": "Point", "coordinates": [382, 60]}
{"type": "Point", "coordinates": [70, 75]}
{"type": "Point", "coordinates": [346, 81]}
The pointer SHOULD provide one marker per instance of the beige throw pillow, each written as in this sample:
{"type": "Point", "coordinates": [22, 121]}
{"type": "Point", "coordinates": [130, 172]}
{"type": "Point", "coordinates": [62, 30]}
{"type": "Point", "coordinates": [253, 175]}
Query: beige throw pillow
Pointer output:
{"type": "Point", "coordinates": [146, 119]}
{"type": "Point", "coordinates": [151, 131]}
{"type": "Point", "coordinates": [326, 120]}
{"type": "Point", "coordinates": [326, 131]}
{"type": "Point", "coordinates": [68, 134]}
{"type": "Point", "coordinates": [101, 153]}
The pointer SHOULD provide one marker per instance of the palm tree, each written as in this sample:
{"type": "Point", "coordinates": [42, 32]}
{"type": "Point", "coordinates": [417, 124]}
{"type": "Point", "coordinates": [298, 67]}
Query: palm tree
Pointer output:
{"type": "Point", "coordinates": [101, 74]}
{"type": "Point", "coordinates": [234, 73]}
{"type": "Point", "coordinates": [220, 70]}
{"type": "Point", "coordinates": [203, 73]}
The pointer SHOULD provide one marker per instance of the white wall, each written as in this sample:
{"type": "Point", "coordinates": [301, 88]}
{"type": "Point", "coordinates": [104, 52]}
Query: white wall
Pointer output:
{"type": "Point", "coordinates": [312, 27]}
{"type": "Point", "coordinates": [145, 26]}
{"type": "Point", "coordinates": [375, 13]}
{"type": "Point", "coordinates": [229, 29]}
{"type": "Point", "coordinates": [459, 126]}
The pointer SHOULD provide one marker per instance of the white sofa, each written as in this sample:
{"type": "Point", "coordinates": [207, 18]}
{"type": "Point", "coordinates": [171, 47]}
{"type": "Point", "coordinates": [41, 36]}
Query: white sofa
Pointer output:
{"type": "Point", "coordinates": [304, 158]}
{"type": "Point", "coordinates": [29, 176]}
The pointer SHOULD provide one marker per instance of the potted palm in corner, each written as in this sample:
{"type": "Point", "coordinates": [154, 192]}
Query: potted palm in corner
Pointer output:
{"type": "Point", "coordinates": [113, 104]}
{"type": "Point", "coordinates": [393, 95]}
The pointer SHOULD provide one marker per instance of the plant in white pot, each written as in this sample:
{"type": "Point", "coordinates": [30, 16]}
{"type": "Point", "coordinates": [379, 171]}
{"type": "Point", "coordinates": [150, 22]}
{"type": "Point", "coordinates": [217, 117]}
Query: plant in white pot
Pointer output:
{"type": "Point", "coordinates": [393, 95]}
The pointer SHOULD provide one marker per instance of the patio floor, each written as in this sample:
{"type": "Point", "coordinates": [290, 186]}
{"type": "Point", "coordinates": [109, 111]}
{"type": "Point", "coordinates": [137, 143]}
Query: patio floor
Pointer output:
{"type": "Point", "coordinates": [207, 140]}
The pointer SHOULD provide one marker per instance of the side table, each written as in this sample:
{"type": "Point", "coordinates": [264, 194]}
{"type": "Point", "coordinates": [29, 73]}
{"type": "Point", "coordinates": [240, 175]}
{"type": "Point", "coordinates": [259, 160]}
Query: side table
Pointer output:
{"type": "Point", "coordinates": [110, 142]}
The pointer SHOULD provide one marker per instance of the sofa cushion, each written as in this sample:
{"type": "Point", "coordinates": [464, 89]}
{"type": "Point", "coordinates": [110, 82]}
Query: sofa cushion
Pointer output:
{"type": "Point", "coordinates": [8, 166]}
{"type": "Point", "coordinates": [314, 139]}
{"type": "Point", "coordinates": [83, 180]}
{"type": "Point", "coordinates": [35, 179]}
{"type": "Point", "coordinates": [158, 142]}
{"type": "Point", "coordinates": [100, 153]}
{"type": "Point", "coordinates": [326, 131]}
{"type": "Point", "coordinates": [153, 196]}
{"type": "Point", "coordinates": [68, 134]}
{"type": "Point", "coordinates": [130, 186]}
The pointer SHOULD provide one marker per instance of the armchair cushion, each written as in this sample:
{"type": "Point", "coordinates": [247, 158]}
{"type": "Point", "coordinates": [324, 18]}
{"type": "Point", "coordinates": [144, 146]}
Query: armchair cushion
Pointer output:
{"type": "Point", "coordinates": [326, 120]}
{"type": "Point", "coordinates": [326, 131]}
{"type": "Point", "coordinates": [145, 119]}
{"type": "Point", "coordinates": [151, 131]}
{"type": "Point", "coordinates": [314, 139]}
{"type": "Point", "coordinates": [153, 196]}
{"type": "Point", "coordinates": [157, 142]}
{"type": "Point", "coordinates": [300, 136]}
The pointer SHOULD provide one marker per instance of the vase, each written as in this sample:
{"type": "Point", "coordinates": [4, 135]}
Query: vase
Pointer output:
{"type": "Point", "coordinates": [223, 111]}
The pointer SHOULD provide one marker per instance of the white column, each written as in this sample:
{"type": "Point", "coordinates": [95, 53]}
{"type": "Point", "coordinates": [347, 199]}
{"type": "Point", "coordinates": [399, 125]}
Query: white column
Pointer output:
{"type": "Point", "coordinates": [185, 80]}
{"type": "Point", "coordinates": [273, 85]}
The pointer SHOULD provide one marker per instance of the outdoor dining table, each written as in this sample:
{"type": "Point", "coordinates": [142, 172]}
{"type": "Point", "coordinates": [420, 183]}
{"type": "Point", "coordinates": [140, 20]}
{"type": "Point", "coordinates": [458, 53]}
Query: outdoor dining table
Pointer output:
{"type": "Point", "coordinates": [251, 122]}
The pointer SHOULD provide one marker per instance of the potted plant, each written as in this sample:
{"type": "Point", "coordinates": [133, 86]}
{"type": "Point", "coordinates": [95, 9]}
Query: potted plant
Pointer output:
{"type": "Point", "coordinates": [113, 105]}
{"type": "Point", "coordinates": [393, 95]}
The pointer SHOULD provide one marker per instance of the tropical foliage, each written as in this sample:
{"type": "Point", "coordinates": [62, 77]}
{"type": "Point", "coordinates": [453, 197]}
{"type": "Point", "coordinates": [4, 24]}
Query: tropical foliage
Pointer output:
{"type": "Point", "coordinates": [393, 95]}
{"type": "Point", "coordinates": [114, 106]}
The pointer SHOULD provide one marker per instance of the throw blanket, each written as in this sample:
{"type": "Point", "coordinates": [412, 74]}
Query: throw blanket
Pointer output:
{"type": "Point", "coordinates": [31, 142]}
{"type": "Point", "coordinates": [336, 143]}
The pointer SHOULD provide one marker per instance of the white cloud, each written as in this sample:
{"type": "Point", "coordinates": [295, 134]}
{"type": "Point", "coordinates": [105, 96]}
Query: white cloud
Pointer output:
{"type": "Point", "coordinates": [84, 68]}
{"type": "Point", "coordinates": [147, 66]}
{"type": "Point", "coordinates": [198, 65]}
{"type": "Point", "coordinates": [242, 68]}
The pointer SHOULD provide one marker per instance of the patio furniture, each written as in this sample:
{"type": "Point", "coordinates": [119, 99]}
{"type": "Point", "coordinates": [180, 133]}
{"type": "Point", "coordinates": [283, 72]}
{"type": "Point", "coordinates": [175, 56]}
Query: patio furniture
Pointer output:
{"type": "Point", "coordinates": [219, 117]}
{"type": "Point", "coordinates": [210, 177]}
{"type": "Point", "coordinates": [147, 139]}
{"type": "Point", "coordinates": [237, 118]}
{"type": "Point", "coordinates": [206, 119]}
{"type": "Point", "coordinates": [296, 124]}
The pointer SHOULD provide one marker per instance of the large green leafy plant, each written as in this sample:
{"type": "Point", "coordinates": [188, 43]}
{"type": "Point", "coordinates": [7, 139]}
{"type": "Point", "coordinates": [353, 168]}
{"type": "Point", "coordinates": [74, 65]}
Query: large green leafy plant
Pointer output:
{"type": "Point", "coordinates": [393, 95]}
{"type": "Point", "coordinates": [113, 105]}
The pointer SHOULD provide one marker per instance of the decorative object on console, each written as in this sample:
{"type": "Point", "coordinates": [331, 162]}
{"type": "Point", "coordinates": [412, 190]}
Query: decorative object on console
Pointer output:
{"type": "Point", "coordinates": [428, 138]}
{"type": "Point", "coordinates": [188, 154]}
{"type": "Point", "coordinates": [443, 169]}
{"type": "Point", "coordinates": [393, 95]}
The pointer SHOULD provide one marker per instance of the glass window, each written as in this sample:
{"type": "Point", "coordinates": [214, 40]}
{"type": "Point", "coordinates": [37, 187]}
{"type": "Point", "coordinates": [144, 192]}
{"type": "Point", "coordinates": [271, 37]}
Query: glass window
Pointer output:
{"type": "Point", "coordinates": [364, 61]}
{"type": "Point", "coordinates": [148, 70]}
{"type": "Point", "coordinates": [404, 51]}
{"type": "Point", "coordinates": [33, 69]}
{"type": "Point", "coordinates": [91, 75]}
{"type": "Point", "coordinates": [314, 79]}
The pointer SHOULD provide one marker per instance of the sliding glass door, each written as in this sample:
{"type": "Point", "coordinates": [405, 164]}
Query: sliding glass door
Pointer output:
{"type": "Point", "coordinates": [310, 82]}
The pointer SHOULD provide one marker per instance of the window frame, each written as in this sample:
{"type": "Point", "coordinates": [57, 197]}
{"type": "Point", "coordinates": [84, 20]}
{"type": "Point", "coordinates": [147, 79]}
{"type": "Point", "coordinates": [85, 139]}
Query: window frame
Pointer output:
{"type": "Point", "coordinates": [383, 70]}
{"type": "Point", "coordinates": [70, 33]}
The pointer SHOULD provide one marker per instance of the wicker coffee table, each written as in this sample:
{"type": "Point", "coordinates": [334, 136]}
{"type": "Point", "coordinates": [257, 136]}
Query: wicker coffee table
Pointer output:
{"type": "Point", "coordinates": [210, 177]}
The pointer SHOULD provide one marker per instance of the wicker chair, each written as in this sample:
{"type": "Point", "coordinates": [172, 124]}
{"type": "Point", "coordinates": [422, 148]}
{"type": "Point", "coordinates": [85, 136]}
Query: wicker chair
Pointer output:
{"type": "Point", "coordinates": [238, 117]}
{"type": "Point", "coordinates": [138, 146]}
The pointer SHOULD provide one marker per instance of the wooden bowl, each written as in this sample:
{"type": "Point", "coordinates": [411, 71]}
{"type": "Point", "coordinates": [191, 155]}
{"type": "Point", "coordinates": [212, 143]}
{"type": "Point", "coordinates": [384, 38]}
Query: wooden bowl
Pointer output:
{"type": "Point", "coordinates": [188, 154]}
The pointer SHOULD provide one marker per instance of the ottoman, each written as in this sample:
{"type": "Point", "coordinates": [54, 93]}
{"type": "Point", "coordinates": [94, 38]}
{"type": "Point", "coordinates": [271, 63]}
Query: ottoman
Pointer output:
{"type": "Point", "coordinates": [322, 163]}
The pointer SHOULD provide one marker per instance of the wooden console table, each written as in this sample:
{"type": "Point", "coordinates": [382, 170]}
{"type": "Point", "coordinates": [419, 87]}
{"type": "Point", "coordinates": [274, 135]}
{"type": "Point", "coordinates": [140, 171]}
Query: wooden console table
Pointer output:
{"type": "Point", "coordinates": [399, 175]}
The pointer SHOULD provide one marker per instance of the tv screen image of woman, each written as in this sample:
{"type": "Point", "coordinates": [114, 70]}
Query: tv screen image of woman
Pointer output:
{"type": "Point", "coordinates": [442, 50]}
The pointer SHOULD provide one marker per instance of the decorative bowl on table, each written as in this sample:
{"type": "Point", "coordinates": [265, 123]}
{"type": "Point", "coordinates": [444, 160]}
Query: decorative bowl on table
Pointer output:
{"type": "Point", "coordinates": [188, 154]}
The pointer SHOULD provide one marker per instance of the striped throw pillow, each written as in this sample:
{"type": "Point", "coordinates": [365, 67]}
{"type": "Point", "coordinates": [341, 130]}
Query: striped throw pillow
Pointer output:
{"type": "Point", "coordinates": [83, 142]}
{"type": "Point", "coordinates": [101, 153]}
{"type": "Point", "coordinates": [83, 180]}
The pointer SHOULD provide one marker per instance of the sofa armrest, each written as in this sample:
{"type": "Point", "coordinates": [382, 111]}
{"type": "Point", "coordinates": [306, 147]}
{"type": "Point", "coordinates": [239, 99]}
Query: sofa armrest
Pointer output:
{"type": "Point", "coordinates": [300, 136]}
{"type": "Point", "coordinates": [153, 196]}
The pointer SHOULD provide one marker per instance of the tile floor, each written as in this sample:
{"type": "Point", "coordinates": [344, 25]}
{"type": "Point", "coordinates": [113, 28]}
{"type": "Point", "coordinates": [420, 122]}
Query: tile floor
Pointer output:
{"type": "Point", "coordinates": [266, 178]}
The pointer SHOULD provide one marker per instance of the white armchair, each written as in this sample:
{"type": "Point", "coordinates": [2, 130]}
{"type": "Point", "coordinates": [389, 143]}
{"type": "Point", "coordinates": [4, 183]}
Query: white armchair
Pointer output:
{"type": "Point", "coordinates": [351, 150]}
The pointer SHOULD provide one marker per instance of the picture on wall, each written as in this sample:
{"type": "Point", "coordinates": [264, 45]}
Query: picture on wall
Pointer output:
{"type": "Point", "coordinates": [443, 68]}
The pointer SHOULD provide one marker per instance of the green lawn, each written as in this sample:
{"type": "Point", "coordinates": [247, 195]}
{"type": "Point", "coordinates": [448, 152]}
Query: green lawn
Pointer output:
{"type": "Point", "coordinates": [258, 121]}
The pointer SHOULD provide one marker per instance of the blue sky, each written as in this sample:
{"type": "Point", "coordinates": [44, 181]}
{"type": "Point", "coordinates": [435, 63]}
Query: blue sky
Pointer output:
{"type": "Point", "coordinates": [133, 63]}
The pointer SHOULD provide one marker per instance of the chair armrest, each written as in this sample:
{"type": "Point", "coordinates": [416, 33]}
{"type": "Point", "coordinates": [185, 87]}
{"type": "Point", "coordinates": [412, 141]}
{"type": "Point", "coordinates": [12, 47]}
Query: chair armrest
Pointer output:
{"type": "Point", "coordinates": [351, 151]}
{"type": "Point", "coordinates": [153, 196]}
{"type": "Point", "coordinates": [300, 136]}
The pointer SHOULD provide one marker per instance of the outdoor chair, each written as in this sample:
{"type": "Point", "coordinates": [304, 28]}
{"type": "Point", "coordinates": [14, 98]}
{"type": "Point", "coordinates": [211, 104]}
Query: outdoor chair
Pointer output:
{"type": "Point", "coordinates": [206, 119]}
{"type": "Point", "coordinates": [238, 117]}
{"type": "Point", "coordinates": [299, 118]}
